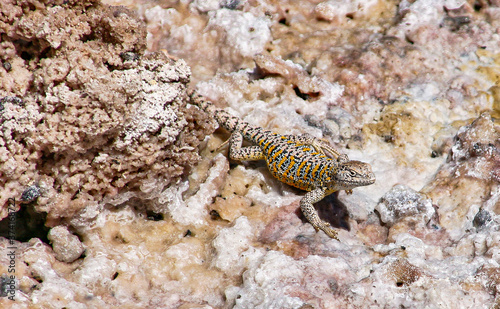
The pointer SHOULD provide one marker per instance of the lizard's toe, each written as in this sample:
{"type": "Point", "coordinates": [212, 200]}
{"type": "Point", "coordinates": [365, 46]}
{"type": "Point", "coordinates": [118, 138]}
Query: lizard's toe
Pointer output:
{"type": "Point", "coordinates": [329, 231]}
{"type": "Point", "coordinates": [343, 158]}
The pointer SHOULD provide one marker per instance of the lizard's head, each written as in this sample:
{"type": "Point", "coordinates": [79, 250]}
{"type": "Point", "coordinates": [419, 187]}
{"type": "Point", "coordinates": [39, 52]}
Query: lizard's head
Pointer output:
{"type": "Point", "coordinates": [352, 174]}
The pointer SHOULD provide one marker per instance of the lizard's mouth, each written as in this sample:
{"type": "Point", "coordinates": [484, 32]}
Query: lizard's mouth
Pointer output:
{"type": "Point", "coordinates": [370, 179]}
{"type": "Point", "coordinates": [364, 181]}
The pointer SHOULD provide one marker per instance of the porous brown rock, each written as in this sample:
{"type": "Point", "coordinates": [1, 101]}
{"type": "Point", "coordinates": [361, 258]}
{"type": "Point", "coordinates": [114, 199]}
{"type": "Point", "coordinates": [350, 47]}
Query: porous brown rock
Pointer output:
{"type": "Point", "coordinates": [85, 112]}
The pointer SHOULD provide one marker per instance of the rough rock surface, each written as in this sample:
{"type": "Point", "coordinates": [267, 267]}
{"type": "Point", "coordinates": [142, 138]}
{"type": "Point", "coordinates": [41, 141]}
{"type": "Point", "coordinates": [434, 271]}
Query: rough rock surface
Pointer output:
{"type": "Point", "coordinates": [409, 86]}
{"type": "Point", "coordinates": [67, 247]}
{"type": "Point", "coordinates": [83, 112]}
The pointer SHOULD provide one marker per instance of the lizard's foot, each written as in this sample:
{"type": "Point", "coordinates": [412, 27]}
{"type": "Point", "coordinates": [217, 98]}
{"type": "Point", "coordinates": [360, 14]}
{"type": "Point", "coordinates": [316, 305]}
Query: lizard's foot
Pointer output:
{"type": "Point", "coordinates": [342, 158]}
{"type": "Point", "coordinates": [348, 192]}
{"type": "Point", "coordinates": [327, 228]}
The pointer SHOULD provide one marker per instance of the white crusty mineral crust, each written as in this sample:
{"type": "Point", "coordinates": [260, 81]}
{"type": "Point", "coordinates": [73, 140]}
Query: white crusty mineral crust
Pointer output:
{"type": "Point", "coordinates": [401, 202]}
{"type": "Point", "coordinates": [339, 11]}
{"type": "Point", "coordinates": [245, 33]}
{"type": "Point", "coordinates": [67, 247]}
{"type": "Point", "coordinates": [231, 258]}
{"type": "Point", "coordinates": [193, 209]}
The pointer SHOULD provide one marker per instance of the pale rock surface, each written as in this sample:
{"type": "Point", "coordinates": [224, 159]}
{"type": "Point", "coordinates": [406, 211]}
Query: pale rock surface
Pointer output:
{"type": "Point", "coordinates": [67, 247]}
{"type": "Point", "coordinates": [167, 221]}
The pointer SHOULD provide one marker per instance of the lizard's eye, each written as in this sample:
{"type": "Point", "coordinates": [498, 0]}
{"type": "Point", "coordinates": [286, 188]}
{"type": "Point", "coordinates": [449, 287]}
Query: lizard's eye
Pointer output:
{"type": "Point", "coordinates": [352, 173]}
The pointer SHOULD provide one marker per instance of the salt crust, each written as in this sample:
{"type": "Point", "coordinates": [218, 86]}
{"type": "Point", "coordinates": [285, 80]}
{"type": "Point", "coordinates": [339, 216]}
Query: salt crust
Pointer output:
{"type": "Point", "coordinates": [192, 210]}
{"type": "Point", "coordinates": [402, 201]}
{"type": "Point", "coordinates": [245, 33]}
{"type": "Point", "coordinates": [67, 247]}
{"type": "Point", "coordinates": [339, 11]}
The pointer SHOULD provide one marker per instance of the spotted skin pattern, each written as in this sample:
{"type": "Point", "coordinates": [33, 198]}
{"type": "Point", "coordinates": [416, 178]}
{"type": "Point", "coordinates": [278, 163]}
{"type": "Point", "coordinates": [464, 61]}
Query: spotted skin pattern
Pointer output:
{"type": "Point", "coordinates": [301, 161]}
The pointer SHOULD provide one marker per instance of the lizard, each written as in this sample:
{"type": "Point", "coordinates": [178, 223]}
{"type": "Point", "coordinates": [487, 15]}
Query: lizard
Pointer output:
{"type": "Point", "coordinates": [301, 161]}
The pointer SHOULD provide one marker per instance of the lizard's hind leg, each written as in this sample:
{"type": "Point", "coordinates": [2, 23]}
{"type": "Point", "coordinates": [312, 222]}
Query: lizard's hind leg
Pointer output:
{"type": "Point", "coordinates": [240, 153]}
{"type": "Point", "coordinates": [322, 145]}
{"type": "Point", "coordinates": [319, 144]}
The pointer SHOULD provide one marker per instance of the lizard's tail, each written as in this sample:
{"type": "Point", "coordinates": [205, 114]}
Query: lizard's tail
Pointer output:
{"type": "Point", "coordinates": [201, 102]}
{"type": "Point", "coordinates": [226, 120]}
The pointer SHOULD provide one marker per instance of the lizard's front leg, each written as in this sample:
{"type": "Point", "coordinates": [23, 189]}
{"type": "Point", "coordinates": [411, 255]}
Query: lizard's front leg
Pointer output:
{"type": "Point", "coordinates": [239, 153]}
{"type": "Point", "coordinates": [306, 205]}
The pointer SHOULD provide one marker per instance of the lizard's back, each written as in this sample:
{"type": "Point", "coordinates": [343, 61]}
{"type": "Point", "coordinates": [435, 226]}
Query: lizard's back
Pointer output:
{"type": "Point", "coordinates": [295, 164]}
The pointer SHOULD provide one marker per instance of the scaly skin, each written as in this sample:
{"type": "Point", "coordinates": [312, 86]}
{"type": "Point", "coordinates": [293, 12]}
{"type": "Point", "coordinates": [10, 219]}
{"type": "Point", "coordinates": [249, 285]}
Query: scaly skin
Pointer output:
{"type": "Point", "coordinates": [300, 161]}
